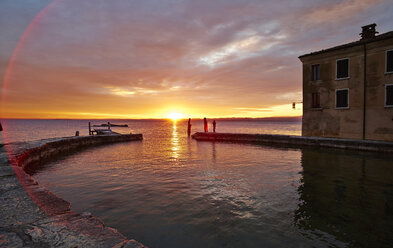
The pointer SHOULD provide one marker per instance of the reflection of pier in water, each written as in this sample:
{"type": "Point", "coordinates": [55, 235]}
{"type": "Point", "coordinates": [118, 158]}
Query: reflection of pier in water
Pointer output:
{"type": "Point", "coordinates": [348, 195]}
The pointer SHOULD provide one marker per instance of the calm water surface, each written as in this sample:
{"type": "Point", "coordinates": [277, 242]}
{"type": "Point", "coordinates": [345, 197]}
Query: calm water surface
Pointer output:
{"type": "Point", "coordinates": [26, 130]}
{"type": "Point", "coordinates": [171, 191]}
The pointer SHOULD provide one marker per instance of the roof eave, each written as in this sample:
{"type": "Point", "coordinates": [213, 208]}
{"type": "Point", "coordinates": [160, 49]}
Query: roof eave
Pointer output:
{"type": "Point", "coordinates": [384, 36]}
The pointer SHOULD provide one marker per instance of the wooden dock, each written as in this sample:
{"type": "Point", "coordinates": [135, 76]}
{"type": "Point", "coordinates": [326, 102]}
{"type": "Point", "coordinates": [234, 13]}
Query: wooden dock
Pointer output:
{"type": "Point", "coordinates": [102, 131]}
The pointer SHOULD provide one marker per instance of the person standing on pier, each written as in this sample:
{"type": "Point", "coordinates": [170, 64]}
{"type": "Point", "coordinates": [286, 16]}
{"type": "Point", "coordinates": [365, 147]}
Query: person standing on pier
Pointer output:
{"type": "Point", "coordinates": [1, 127]}
{"type": "Point", "coordinates": [214, 126]}
{"type": "Point", "coordinates": [205, 125]}
{"type": "Point", "coordinates": [189, 127]}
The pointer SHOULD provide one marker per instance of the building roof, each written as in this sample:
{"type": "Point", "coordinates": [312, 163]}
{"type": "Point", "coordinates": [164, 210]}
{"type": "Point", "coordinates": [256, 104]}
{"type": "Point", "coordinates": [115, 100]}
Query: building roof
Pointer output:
{"type": "Point", "coordinates": [383, 36]}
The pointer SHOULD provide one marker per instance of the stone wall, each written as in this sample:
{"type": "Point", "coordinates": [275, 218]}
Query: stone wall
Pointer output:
{"type": "Point", "coordinates": [298, 141]}
{"type": "Point", "coordinates": [31, 216]}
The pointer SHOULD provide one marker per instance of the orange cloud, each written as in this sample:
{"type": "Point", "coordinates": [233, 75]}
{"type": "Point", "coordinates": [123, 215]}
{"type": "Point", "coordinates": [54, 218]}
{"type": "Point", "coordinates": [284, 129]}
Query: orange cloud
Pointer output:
{"type": "Point", "coordinates": [145, 59]}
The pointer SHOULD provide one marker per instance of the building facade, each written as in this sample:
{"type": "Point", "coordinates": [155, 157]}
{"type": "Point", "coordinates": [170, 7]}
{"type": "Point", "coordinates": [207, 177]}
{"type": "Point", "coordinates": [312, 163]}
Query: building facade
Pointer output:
{"type": "Point", "coordinates": [348, 89]}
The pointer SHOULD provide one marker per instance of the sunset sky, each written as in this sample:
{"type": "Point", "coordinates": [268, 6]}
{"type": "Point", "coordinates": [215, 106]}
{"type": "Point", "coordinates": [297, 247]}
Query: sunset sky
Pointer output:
{"type": "Point", "coordinates": [150, 58]}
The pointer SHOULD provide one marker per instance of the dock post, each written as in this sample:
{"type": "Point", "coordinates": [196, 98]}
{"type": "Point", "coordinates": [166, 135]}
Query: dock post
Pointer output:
{"type": "Point", "coordinates": [109, 125]}
{"type": "Point", "coordinates": [89, 128]}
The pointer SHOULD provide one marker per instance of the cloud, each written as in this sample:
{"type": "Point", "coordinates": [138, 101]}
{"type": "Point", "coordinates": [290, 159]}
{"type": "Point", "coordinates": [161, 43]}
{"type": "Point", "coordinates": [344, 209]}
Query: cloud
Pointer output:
{"type": "Point", "coordinates": [135, 58]}
{"type": "Point", "coordinates": [337, 12]}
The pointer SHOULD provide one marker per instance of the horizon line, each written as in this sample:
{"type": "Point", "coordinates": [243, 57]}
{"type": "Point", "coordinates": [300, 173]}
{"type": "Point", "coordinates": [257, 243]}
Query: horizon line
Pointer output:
{"type": "Point", "coordinates": [201, 118]}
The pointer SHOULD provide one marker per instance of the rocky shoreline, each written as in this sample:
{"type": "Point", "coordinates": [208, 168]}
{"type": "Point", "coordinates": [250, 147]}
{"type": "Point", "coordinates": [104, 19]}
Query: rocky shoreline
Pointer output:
{"type": "Point", "coordinates": [32, 216]}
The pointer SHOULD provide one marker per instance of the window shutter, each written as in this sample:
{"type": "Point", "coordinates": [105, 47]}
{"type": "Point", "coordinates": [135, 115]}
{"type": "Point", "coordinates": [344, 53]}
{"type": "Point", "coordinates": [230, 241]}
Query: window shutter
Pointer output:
{"type": "Point", "coordinates": [342, 68]}
{"type": "Point", "coordinates": [316, 103]}
{"type": "Point", "coordinates": [389, 61]}
{"type": "Point", "coordinates": [389, 95]}
{"type": "Point", "coordinates": [341, 98]}
{"type": "Point", "coordinates": [315, 72]}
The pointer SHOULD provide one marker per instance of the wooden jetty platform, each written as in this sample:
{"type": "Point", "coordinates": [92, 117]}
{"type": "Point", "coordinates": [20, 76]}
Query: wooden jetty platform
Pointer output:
{"type": "Point", "coordinates": [105, 131]}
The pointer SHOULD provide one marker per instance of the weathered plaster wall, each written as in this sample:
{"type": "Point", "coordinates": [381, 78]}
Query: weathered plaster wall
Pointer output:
{"type": "Point", "coordinates": [379, 119]}
{"type": "Point", "coordinates": [328, 121]}
{"type": "Point", "coordinates": [31, 216]}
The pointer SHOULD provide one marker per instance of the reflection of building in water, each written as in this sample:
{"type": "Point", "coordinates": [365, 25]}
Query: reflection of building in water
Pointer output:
{"type": "Point", "coordinates": [347, 195]}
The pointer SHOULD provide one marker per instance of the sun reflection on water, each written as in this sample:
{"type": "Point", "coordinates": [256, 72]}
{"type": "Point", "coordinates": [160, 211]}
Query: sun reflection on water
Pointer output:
{"type": "Point", "coordinates": [175, 142]}
{"type": "Point", "coordinates": [201, 193]}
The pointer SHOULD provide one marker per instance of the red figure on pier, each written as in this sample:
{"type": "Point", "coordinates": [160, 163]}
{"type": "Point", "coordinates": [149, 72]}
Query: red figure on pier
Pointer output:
{"type": "Point", "coordinates": [214, 126]}
{"type": "Point", "coordinates": [205, 125]}
{"type": "Point", "coordinates": [189, 127]}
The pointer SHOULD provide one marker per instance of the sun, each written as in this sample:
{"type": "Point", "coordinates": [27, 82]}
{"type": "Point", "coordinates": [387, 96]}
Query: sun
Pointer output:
{"type": "Point", "coordinates": [175, 116]}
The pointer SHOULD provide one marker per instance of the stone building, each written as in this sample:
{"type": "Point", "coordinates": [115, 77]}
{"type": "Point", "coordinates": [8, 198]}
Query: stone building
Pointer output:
{"type": "Point", "coordinates": [348, 89]}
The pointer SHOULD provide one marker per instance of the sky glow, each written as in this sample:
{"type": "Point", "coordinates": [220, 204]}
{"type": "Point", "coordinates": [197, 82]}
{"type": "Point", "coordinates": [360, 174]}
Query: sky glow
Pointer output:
{"type": "Point", "coordinates": [145, 59]}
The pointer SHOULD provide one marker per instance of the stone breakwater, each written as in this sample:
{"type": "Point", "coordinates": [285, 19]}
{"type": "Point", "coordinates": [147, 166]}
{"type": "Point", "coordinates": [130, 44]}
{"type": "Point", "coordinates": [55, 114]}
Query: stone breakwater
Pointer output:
{"type": "Point", "coordinates": [32, 216]}
{"type": "Point", "coordinates": [298, 141]}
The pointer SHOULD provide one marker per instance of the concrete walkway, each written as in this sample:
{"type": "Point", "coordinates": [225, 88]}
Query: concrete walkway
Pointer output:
{"type": "Point", "coordinates": [297, 141]}
{"type": "Point", "coordinates": [31, 216]}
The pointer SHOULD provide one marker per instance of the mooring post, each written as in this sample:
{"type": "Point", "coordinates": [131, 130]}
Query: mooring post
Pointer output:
{"type": "Point", "coordinates": [89, 128]}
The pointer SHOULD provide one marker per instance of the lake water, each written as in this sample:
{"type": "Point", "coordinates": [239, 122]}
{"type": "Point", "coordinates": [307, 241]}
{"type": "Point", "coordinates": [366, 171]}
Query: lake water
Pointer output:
{"type": "Point", "coordinates": [25, 130]}
{"type": "Point", "coordinates": [171, 191]}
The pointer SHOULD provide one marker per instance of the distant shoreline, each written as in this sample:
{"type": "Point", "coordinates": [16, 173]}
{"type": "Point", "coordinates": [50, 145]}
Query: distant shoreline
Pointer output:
{"type": "Point", "coordinates": [283, 119]}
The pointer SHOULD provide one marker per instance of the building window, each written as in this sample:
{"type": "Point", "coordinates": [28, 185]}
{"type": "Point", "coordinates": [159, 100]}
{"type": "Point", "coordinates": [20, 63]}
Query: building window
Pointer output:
{"type": "Point", "coordinates": [342, 98]}
{"type": "Point", "coordinates": [316, 100]}
{"type": "Point", "coordinates": [342, 69]}
{"type": "Point", "coordinates": [389, 95]}
{"type": "Point", "coordinates": [316, 72]}
{"type": "Point", "coordinates": [389, 61]}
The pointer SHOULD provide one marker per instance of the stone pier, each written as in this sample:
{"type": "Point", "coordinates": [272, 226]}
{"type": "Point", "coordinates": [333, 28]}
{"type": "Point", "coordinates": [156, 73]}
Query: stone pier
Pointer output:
{"type": "Point", "coordinates": [32, 216]}
{"type": "Point", "coordinates": [297, 141]}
